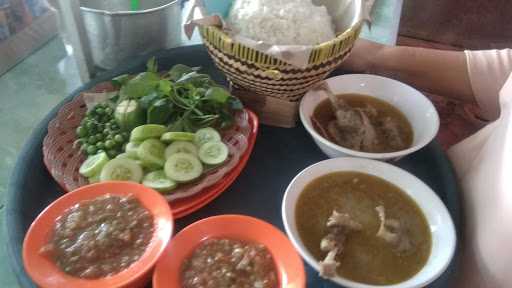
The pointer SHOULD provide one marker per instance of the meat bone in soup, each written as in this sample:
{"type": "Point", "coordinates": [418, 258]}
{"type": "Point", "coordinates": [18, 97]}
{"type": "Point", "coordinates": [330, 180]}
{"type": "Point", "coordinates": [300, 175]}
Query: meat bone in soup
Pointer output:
{"type": "Point", "coordinates": [362, 123]}
{"type": "Point", "coordinates": [362, 228]}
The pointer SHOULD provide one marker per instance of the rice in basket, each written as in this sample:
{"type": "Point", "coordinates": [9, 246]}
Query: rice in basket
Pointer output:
{"type": "Point", "coordinates": [282, 22]}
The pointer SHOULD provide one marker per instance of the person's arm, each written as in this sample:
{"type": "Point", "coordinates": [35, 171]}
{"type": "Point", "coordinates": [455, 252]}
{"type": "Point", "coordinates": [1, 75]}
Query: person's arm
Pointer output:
{"type": "Point", "coordinates": [435, 71]}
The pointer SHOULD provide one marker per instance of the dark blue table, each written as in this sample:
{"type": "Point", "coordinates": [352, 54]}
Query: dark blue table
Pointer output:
{"type": "Point", "coordinates": [279, 155]}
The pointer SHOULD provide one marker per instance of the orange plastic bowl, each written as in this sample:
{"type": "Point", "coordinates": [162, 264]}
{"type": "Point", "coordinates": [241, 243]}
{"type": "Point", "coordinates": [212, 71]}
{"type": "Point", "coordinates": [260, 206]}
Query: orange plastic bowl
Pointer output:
{"type": "Point", "coordinates": [47, 274]}
{"type": "Point", "coordinates": [288, 262]}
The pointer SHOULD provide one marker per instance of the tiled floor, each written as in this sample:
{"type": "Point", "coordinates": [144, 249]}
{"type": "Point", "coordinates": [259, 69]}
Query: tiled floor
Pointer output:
{"type": "Point", "coordinates": [27, 93]}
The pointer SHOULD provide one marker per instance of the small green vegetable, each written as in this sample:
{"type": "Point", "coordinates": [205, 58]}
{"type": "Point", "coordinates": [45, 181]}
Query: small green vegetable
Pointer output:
{"type": "Point", "coordinates": [129, 115]}
{"type": "Point", "coordinates": [91, 150]}
{"type": "Point", "coordinates": [100, 145]}
{"type": "Point", "coordinates": [81, 131]}
{"type": "Point", "coordinates": [118, 138]}
{"type": "Point", "coordinates": [109, 144]}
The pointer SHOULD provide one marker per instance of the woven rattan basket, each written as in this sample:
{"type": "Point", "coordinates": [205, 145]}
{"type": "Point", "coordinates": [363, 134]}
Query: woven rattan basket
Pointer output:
{"type": "Point", "coordinates": [269, 86]}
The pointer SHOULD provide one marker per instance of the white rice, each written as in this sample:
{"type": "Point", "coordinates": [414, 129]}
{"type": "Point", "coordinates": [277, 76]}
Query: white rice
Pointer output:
{"type": "Point", "coordinates": [282, 22]}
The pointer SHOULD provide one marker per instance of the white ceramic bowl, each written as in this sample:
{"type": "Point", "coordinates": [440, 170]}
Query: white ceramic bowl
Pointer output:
{"type": "Point", "coordinates": [438, 218]}
{"type": "Point", "coordinates": [417, 108]}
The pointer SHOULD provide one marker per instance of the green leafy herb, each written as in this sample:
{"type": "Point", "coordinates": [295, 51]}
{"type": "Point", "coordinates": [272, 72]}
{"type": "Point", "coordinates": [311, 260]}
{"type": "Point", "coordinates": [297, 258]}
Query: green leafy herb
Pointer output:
{"type": "Point", "coordinates": [178, 70]}
{"type": "Point", "coordinates": [196, 79]}
{"type": "Point", "coordinates": [152, 65]}
{"type": "Point", "coordinates": [120, 80]}
{"type": "Point", "coordinates": [165, 86]}
{"type": "Point", "coordinates": [217, 94]}
{"type": "Point", "coordinates": [182, 98]}
{"type": "Point", "coordinates": [139, 86]}
{"type": "Point", "coordinates": [146, 101]}
{"type": "Point", "coordinates": [160, 112]}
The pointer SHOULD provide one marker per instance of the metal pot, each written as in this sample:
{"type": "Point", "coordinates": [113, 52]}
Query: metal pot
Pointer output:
{"type": "Point", "coordinates": [116, 33]}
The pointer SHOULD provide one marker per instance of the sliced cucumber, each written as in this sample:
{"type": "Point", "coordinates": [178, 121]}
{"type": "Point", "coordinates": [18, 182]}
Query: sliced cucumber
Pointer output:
{"type": "Point", "coordinates": [152, 153]}
{"type": "Point", "coordinates": [94, 179]}
{"type": "Point", "coordinates": [121, 170]}
{"type": "Point", "coordinates": [129, 115]}
{"type": "Point", "coordinates": [206, 135]}
{"type": "Point", "coordinates": [183, 167]}
{"type": "Point", "coordinates": [131, 149]}
{"type": "Point", "coordinates": [158, 181]}
{"type": "Point", "coordinates": [127, 156]}
{"type": "Point", "coordinates": [177, 136]}
{"type": "Point", "coordinates": [93, 164]}
{"type": "Point", "coordinates": [147, 168]}
{"type": "Point", "coordinates": [213, 153]}
{"type": "Point", "coordinates": [180, 147]}
{"type": "Point", "coordinates": [147, 131]}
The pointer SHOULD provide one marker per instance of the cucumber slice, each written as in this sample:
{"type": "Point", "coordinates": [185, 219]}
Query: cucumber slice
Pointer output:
{"type": "Point", "coordinates": [151, 152]}
{"type": "Point", "coordinates": [147, 131]}
{"type": "Point", "coordinates": [94, 179]}
{"type": "Point", "coordinates": [129, 115]}
{"type": "Point", "coordinates": [177, 136]}
{"type": "Point", "coordinates": [158, 181]}
{"type": "Point", "coordinates": [127, 156]}
{"type": "Point", "coordinates": [180, 147]}
{"type": "Point", "coordinates": [93, 164]}
{"type": "Point", "coordinates": [213, 153]}
{"type": "Point", "coordinates": [206, 135]}
{"type": "Point", "coordinates": [121, 170]}
{"type": "Point", "coordinates": [147, 168]}
{"type": "Point", "coordinates": [183, 167]}
{"type": "Point", "coordinates": [131, 149]}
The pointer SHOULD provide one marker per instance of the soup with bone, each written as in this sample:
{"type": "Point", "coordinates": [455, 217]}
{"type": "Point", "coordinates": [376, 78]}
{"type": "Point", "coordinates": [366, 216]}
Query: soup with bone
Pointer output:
{"type": "Point", "coordinates": [362, 228]}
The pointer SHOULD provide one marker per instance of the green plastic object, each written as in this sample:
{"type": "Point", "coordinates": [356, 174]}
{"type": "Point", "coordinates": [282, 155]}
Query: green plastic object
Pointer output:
{"type": "Point", "coordinates": [135, 4]}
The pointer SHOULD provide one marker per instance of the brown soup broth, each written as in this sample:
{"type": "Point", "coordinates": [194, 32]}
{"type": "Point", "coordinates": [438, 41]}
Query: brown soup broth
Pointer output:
{"type": "Point", "coordinates": [324, 114]}
{"type": "Point", "coordinates": [365, 258]}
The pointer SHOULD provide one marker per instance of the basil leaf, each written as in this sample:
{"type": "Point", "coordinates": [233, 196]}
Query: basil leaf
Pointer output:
{"type": "Point", "coordinates": [142, 85]}
{"type": "Point", "coordinates": [217, 94]}
{"type": "Point", "coordinates": [195, 79]}
{"type": "Point", "coordinates": [160, 112]}
{"type": "Point", "coordinates": [165, 86]}
{"type": "Point", "coordinates": [120, 80]}
{"type": "Point", "coordinates": [146, 101]}
{"type": "Point", "coordinates": [179, 70]}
